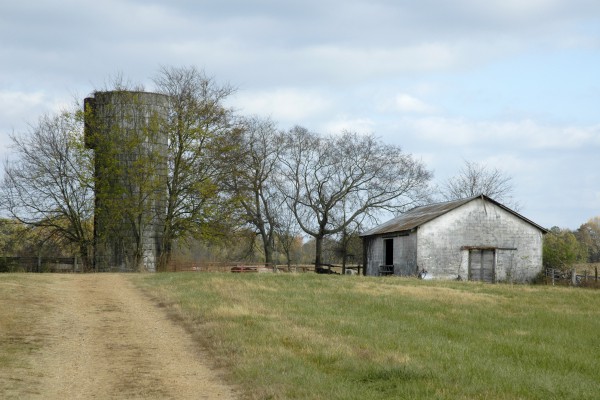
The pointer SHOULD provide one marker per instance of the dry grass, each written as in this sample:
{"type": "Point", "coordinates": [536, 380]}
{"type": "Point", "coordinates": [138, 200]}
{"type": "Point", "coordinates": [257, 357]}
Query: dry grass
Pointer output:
{"type": "Point", "coordinates": [20, 332]}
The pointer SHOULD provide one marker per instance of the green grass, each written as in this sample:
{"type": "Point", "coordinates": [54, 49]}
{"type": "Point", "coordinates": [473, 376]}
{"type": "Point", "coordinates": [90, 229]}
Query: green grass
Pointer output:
{"type": "Point", "coordinates": [321, 337]}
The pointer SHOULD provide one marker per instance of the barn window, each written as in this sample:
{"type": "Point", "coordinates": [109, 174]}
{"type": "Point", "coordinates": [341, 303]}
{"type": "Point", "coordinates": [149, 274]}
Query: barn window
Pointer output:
{"type": "Point", "coordinates": [482, 265]}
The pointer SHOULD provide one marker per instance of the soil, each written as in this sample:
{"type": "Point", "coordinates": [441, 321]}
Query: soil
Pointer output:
{"type": "Point", "coordinates": [103, 339]}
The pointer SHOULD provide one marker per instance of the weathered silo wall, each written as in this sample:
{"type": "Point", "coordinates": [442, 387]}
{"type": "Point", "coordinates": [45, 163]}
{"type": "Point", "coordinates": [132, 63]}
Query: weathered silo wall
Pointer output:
{"type": "Point", "coordinates": [126, 131]}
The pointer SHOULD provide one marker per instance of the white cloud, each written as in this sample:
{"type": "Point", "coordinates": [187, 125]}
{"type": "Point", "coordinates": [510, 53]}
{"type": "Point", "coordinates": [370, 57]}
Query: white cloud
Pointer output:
{"type": "Point", "coordinates": [524, 133]}
{"type": "Point", "coordinates": [284, 105]}
{"type": "Point", "coordinates": [15, 104]}
{"type": "Point", "coordinates": [407, 103]}
{"type": "Point", "coordinates": [348, 123]}
{"type": "Point", "coordinates": [374, 59]}
{"type": "Point", "coordinates": [335, 65]}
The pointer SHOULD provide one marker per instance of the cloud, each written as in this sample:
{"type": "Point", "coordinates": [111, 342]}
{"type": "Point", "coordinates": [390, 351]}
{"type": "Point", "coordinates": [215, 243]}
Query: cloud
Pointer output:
{"type": "Point", "coordinates": [16, 110]}
{"type": "Point", "coordinates": [15, 104]}
{"type": "Point", "coordinates": [347, 123]}
{"type": "Point", "coordinates": [446, 80]}
{"type": "Point", "coordinates": [526, 133]}
{"type": "Point", "coordinates": [286, 105]}
{"type": "Point", "coordinates": [407, 103]}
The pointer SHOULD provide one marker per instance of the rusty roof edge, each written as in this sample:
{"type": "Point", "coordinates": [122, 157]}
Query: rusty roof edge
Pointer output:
{"type": "Point", "coordinates": [433, 216]}
{"type": "Point", "coordinates": [458, 203]}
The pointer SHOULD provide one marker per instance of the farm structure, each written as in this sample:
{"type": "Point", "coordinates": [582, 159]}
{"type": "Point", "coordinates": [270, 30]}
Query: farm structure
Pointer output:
{"type": "Point", "coordinates": [476, 238]}
{"type": "Point", "coordinates": [126, 131]}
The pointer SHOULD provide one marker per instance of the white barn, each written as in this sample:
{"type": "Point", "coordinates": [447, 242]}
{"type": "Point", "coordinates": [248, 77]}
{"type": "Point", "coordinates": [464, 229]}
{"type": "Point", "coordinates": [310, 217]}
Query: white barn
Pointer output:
{"type": "Point", "coordinates": [475, 238]}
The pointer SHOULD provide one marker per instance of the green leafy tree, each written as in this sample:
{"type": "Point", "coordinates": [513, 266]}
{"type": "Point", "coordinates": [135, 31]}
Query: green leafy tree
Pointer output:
{"type": "Point", "coordinates": [202, 137]}
{"type": "Point", "coordinates": [588, 234]}
{"type": "Point", "coordinates": [13, 237]}
{"type": "Point", "coordinates": [562, 250]}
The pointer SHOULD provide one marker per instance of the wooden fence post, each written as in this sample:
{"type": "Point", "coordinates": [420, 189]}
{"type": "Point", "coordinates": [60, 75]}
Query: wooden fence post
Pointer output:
{"type": "Point", "coordinates": [573, 277]}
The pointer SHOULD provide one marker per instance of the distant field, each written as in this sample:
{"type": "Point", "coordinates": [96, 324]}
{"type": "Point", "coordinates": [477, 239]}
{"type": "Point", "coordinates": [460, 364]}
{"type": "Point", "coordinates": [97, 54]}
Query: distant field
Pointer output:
{"type": "Point", "coordinates": [308, 336]}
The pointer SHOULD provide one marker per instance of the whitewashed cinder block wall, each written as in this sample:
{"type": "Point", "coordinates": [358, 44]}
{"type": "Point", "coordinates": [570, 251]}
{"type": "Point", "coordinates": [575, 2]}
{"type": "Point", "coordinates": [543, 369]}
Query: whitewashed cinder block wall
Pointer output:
{"type": "Point", "coordinates": [441, 242]}
{"type": "Point", "coordinates": [440, 246]}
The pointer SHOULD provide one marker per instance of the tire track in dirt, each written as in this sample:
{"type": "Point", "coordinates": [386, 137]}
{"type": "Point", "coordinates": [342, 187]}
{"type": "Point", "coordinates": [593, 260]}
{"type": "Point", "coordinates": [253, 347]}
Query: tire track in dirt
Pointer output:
{"type": "Point", "coordinates": [107, 341]}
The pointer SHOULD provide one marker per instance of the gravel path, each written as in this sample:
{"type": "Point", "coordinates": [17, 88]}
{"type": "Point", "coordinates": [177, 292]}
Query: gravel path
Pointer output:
{"type": "Point", "coordinates": [105, 340]}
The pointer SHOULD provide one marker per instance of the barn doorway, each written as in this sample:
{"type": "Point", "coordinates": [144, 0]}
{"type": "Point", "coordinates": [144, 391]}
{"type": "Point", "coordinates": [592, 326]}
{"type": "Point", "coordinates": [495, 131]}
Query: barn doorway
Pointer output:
{"type": "Point", "coordinates": [388, 258]}
{"type": "Point", "coordinates": [482, 265]}
{"type": "Point", "coordinates": [388, 248]}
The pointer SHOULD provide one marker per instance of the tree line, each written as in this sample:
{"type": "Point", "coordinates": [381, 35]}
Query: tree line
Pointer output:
{"type": "Point", "coordinates": [226, 173]}
{"type": "Point", "coordinates": [228, 176]}
{"type": "Point", "coordinates": [563, 248]}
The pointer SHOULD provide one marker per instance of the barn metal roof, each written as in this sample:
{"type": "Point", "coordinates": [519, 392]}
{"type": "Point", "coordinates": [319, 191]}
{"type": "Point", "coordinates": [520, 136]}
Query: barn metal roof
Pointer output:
{"type": "Point", "coordinates": [420, 215]}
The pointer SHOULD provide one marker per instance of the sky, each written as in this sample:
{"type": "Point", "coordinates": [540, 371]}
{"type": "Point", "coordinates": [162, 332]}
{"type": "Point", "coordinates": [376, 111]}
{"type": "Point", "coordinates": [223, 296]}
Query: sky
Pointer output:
{"type": "Point", "coordinates": [509, 84]}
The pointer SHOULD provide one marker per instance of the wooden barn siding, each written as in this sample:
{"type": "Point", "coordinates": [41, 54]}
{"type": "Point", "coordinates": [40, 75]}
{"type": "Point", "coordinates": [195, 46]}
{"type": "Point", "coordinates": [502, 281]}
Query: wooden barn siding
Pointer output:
{"type": "Point", "coordinates": [405, 254]}
{"type": "Point", "coordinates": [373, 249]}
{"type": "Point", "coordinates": [440, 242]}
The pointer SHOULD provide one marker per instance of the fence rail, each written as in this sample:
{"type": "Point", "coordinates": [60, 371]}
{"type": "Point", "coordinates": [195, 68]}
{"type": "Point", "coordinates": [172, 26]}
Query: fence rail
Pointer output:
{"type": "Point", "coordinates": [571, 277]}
{"type": "Point", "coordinates": [250, 267]}
{"type": "Point", "coordinates": [40, 264]}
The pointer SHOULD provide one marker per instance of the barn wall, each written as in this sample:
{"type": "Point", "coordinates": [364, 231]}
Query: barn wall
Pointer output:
{"type": "Point", "coordinates": [373, 250]}
{"type": "Point", "coordinates": [405, 254]}
{"type": "Point", "coordinates": [441, 242]}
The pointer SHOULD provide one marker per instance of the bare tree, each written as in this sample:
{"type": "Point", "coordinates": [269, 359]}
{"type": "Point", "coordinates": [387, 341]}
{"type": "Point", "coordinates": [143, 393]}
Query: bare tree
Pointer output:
{"type": "Point", "coordinates": [329, 182]}
{"type": "Point", "coordinates": [201, 139]}
{"type": "Point", "coordinates": [252, 181]}
{"type": "Point", "coordinates": [49, 184]}
{"type": "Point", "coordinates": [475, 179]}
{"type": "Point", "coordinates": [288, 235]}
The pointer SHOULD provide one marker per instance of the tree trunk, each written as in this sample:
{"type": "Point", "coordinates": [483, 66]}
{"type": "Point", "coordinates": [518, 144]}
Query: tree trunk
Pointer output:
{"type": "Point", "coordinates": [165, 254]}
{"type": "Point", "coordinates": [318, 251]}
{"type": "Point", "coordinates": [344, 251]}
{"type": "Point", "coordinates": [267, 247]}
{"type": "Point", "coordinates": [86, 260]}
{"type": "Point", "coordinates": [268, 256]}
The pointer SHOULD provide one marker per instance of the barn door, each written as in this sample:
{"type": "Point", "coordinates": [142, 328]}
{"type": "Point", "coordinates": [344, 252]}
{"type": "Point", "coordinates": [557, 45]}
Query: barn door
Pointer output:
{"type": "Point", "coordinates": [482, 265]}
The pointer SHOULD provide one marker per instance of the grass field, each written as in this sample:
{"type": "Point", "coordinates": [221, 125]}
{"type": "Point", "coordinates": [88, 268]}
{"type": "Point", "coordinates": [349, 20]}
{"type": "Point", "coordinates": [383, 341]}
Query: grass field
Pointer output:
{"type": "Point", "coordinates": [308, 336]}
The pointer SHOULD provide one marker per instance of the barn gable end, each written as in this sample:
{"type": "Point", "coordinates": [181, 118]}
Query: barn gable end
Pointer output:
{"type": "Point", "coordinates": [476, 238]}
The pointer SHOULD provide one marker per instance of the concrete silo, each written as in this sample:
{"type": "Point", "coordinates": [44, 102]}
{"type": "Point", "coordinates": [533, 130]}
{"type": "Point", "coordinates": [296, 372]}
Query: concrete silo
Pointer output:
{"type": "Point", "coordinates": [126, 131]}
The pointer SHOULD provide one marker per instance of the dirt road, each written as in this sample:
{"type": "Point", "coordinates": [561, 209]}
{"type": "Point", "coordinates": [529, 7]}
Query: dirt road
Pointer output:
{"type": "Point", "coordinates": [102, 339]}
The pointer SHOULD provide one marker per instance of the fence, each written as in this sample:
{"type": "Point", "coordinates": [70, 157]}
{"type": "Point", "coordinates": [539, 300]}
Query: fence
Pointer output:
{"type": "Point", "coordinates": [571, 278]}
{"type": "Point", "coordinates": [246, 267]}
{"type": "Point", "coordinates": [40, 264]}
{"type": "Point", "coordinates": [72, 264]}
